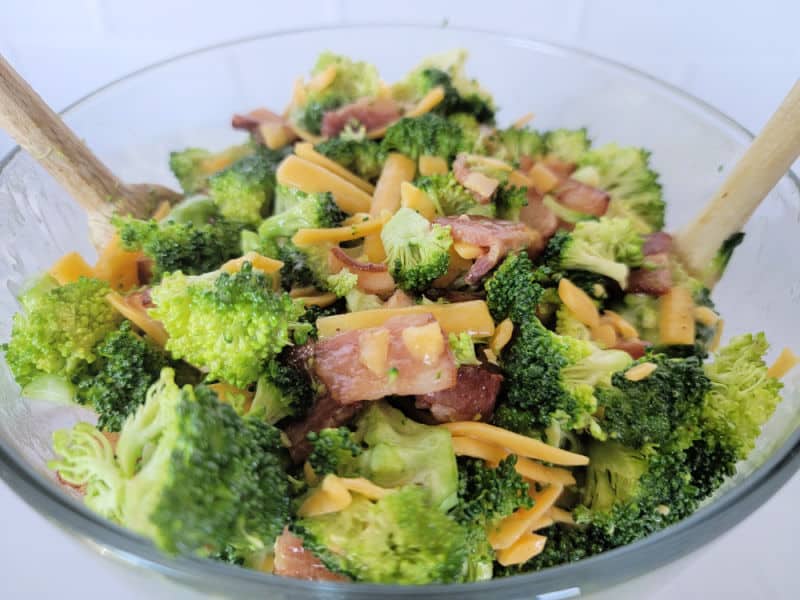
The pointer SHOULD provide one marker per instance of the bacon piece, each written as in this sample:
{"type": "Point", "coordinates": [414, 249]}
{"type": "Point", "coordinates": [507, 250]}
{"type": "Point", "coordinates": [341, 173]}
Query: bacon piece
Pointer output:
{"type": "Point", "coordinates": [538, 217]}
{"type": "Point", "coordinates": [253, 121]}
{"type": "Point", "coordinates": [144, 269]}
{"type": "Point", "coordinates": [479, 185]}
{"type": "Point", "coordinates": [472, 398]}
{"type": "Point", "coordinates": [655, 278]}
{"type": "Point", "coordinates": [371, 113]}
{"type": "Point", "coordinates": [497, 236]}
{"type": "Point", "coordinates": [582, 198]}
{"type": "Point", "coordinates": [525, 162]}
{"type": "Point", "coordinates": [636, 348]}
{"type": "Point", "coordinates": [339, 364]}
{"type": "Point", "coordinates": [657, 243]}
{"type": "Point", "coordinates": [561, 168]}
{"type": "Point", "coordinates": [140, 299]}
{"type": "Point", "coordinates": [373, 278]}
{"type": "Point", "coordinates": [292, 559]}
{"type": "Point", "coordinates": [325, 413]}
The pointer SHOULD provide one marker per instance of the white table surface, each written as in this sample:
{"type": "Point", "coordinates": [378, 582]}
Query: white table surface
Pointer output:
{"type": "Point", "coordinates": [740, 56]}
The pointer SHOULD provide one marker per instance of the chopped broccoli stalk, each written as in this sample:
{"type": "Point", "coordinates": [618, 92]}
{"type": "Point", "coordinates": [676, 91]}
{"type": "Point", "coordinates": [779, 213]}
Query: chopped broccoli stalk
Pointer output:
{"type": "Point", "coordinates": [243, 192]}
{"type": "Point", "coordinates": [552, 378]}
{"type": "Point", "coordinates": [353, 80]}
{"type": "Point", "coordinates": [451, 198]}
{"type": "Point", "coordinates": [608, 247]}
{"type": "Point", "coordinates": [118, 380]}
{"type": "Point", "coordinates": [401, 538]}
{"type": "Point", "coordinates": [333, 451]}
{"type": "Point", "coordinates": [463, 349]}
{"type": "Point", "coordinates": [193, 166]}
{"type": "Point", "coordinates": [513, 290]}
{"type": "Point", "coordinates": [227, 324]}
{"type": "Point", "coordinates": [417, 252]}
{"type": "Point", "coordinates": [299, 211]}
{"type": "Point", "coordinates": [429, 134]}
{"type": "Point", "coordinates": [58, 328]}
{"type": "Point", "coordinates": [192, 248]}
{"type": "Point", "coordinates": [569, 145]}
{"type": "Point", "coordinates": [626, 175]}
{"type": "Point", "coordinates": [363, 157]}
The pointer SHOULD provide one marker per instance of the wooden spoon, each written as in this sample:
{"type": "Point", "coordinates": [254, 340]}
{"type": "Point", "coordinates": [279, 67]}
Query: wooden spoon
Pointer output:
{"type": "Point", "coordinates": [35, 127]}
{"type": "Point", "coordinates": [766, 160]}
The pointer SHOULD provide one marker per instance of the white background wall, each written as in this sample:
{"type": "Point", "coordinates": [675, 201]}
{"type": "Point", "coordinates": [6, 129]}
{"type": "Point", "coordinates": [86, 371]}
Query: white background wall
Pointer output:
{"type": "Point", "coordinates": [739, 56]}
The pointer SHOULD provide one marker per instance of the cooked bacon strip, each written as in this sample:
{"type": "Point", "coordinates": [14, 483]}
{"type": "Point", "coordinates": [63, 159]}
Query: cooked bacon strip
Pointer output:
{"type": "Point", "coordinates": [253, 121]}
{"type": "Point", "coordinates": [657, 243]}
{"type": "Point", "coordinates": [538, 217]}
{"type": "Point", "coordinates": [292, 559]}
{"type": "Point", "coordinates": [479, 185]}
{"type": "Point", "coordinates": [497, 236]}
{"type": "Point", "coordinates": [582, 198]}
{"type": "Point", "coordinates": [371, 113]}
{"type": "Point", "coordinates": [368, 364]}
{"type": "Point", "coordinates": [562, 168]}
{"type": "Point", "coordinates": [373, 277]}
{"type": "Point", "coordinates": [472, 398]}
{"type": "Point", "coordinates": [655, 278]}
{"type": "Point", "coordinates": [636, 348]}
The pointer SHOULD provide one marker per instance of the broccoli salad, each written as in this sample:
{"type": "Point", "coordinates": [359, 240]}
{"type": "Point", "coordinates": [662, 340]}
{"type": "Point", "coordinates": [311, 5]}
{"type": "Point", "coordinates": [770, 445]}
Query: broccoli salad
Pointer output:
{"type": "Point", "coordinates": [385, 339]}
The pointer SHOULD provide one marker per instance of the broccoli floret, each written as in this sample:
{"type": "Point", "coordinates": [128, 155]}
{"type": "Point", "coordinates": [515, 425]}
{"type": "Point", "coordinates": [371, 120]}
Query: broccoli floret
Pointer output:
{"type": "Point", "coordinates": [358, 301]}
{"type": "Point", "coordinates": [198, 210]}
{"type": "Point", "coordinates": [430, 135]}
{"type": "Point", "coordinates": [187, 247]}
{"type": "Point", "coordinates": [513, 291]}
{"type": "Point", "coordinates": [661, 409]}
{"type": "Point", "coordinates": [227, 324]}
{"type": "Point", "coordinates": [609, 247]}
{"type": "Point", "coordinates": [283, 390]}
{"type": "Point", "coordinates": [333, 451]}
{"type": "Point", "coordinates": [513, 143]}
{"type": "Point", "coordinates": [641, 311]}
{"type": "Point", "coordinates": [470, 131]}
{"type": "Point", "coordinates": [342, 283]}
{"type": "Point", "coordinates": [553, 378]}
{"type": "Point", "coordinates": [353, 80]}
{"type": "Point", "coordinates": [568, 324]}
{"type": "Point", "coordinates": [304, 266]}
{"type": "Point", "coordinates": [58, 328]}
{"type": "Point", "coordinates": [509, 200]}
{"type": "Point", "coordinates": [462, 94]}
{"type": "Point", "coordinates": [363, 157]}
{"type": "Point", "coordinates": [402, 538]}
{"type": "Point", "coordinates": [193, 166]}
{"type": "Point", "coordinates": [626, 175]}
{"type": "Point", "coordinates": [189, 473]}
{"type": "Point", "coordinates": [300, 210]}
{"type": "Point", "coordinates": [416, 251]}
{"type": "Point", "coordinates": [451, 198]}
{"type": "Point", "coordinates": [126, 366]}
{"type": "Point", "coordinates": [86, 458]}
{"type": "Point", "coordinates": [243, 192]}
{"type": "Point", "coordinates": [569, 145]}
{"type": "Point", "coordinates": [463, 349]}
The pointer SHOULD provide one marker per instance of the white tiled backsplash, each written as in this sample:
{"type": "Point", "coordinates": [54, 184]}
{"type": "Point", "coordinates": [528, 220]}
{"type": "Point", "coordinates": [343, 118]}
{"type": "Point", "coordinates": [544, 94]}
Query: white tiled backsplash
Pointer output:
{"type": "Point", "coordinates": [740, 56]}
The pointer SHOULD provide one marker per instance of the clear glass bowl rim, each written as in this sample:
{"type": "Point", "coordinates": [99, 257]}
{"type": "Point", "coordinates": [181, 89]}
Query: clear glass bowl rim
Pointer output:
{"type": "Point", "coordinates": [592, 573]}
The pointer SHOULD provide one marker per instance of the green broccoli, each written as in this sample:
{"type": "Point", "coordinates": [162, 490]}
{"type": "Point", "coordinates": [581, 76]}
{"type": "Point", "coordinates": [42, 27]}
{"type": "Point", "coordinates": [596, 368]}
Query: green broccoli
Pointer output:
{"type": "Point", "coordinates": [227, 324]}
{"type": "Point", "coordinates": [463, 348]}
{"type": "Point", "coordinates": [569, 145]}
{"type": "Point", "coordinates": [189, 473]}
{"type": "Point", "coordinates": [342, 283]}
{"type": "Point", "coordinates": [509, 200]}
{"type": "Point", "coordinates": [451, 198]}
{"type": "Point", "coordinates": [402, 538]}
{"type": "Point", "coordinates": [417, 252]}
{"type": "Point", "coordinates": [333, 451]}
{"type": "Point", "coordinates": [58, 329]}
{"type": "Point", "coordinates": [722, 258]}
{"type": "Point", "coordinates": [471, 131]}
{"type": "Point", "coordinates": [553, 377]}
{"type": "Point", "coordinates": [626, 175]}
{"type": "Point", "coordinates": [192, 248]}
{"type": "Point", "coordinates": [430, 135]}
{"type": "Point", "coordinates": [300, 210]}
{"type": "Point", "coordinates": [513, 291]}
{"type": "Point", "coordinates": [358, 301]}
{"type": "Point", "coordinates": [243, 192]}
{"type": "Point", "coordinates": [304, 265]}
{"type": "Point", "coordinates": [462, 94]}
{"type": "Point", "coordinates": [641, 311]}
{"type": "Point", "coordinates": [608, 246]}
{"type": "Point", "coordinates": [283, 390]}
{"type": "Point", "coordinates": [567, 324]}
{"type": "Point", "coordinates": [513, 143]}
{"type": "Point", "coordinates": [193, 166]}
{"type": "Point", "coordinates": [353, 80]}
{"type": "Point", "coordinates": [117, 382]}
{"type": "Point", "coordinates": [363, 157]}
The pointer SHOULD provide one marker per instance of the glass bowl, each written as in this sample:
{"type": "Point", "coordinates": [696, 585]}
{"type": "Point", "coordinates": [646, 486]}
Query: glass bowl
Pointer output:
{"type": "Point", "coordinates": [133, 123]}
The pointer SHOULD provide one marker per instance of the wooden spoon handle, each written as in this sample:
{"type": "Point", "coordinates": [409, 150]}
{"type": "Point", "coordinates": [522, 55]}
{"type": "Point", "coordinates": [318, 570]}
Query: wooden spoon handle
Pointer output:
{"type": "Point", "coordinates": [35, 127]}
{"type": "Point", "coordinates": [766, 160]}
